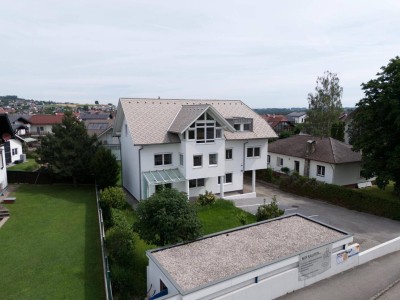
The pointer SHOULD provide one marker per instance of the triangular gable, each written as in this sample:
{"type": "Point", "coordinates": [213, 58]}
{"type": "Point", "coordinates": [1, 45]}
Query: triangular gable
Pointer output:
{"type": "Point", "coordinates": [190, 113]}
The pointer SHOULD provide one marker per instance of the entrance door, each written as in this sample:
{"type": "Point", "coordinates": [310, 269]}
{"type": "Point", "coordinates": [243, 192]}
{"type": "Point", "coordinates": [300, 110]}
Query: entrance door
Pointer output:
{"type": "Point", "coordinates": [297, 166]}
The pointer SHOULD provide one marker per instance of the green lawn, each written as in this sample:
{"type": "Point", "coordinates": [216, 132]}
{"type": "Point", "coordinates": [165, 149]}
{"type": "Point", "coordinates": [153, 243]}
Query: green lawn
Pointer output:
{"type": "Point", "coordinates": [50, 246]}
{"type": "Point", "coordinates": [221, 215]}
{"type": "Point", "coordinates": [387, 193]}
{"type": "Point", "coordinates": [29, 165]}
{"type": "Point", "coordinates": [217, 217]}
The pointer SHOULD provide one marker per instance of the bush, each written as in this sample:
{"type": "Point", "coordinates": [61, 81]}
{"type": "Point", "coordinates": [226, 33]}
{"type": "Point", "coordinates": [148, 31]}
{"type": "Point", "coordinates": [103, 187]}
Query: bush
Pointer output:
{"type": "Point", "coordinates": [285, 170]}
{"type": "Point", "coordinates": [206, 199]}
{"type": "Point", "coordinates": [269, 175]}
{"type": "Point", "coordinates": [269, 211]}
{"type": "Point", "coordinates": [113, 197]}
{"type": "Point", "coordinates": [242, 217]}
{"type": "Point", "coordinates": [167, 218]}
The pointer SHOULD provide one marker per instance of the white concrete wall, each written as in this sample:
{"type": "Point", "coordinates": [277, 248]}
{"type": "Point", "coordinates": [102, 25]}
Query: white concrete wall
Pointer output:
{"type": "Point", "coordinates": [15, 144]}
{"type": "Point", "coordinates": [154, 275]}
{"type": "Point", "coordinates": [130, 163]}
{"type": "Point", "coordinates": [348, 174]}
{"type": "Point", "coordinates": [46, 129]}
{"type": "Point", "coordinates": [288, 161]}
{"type": "Point", "coordinates": [329, 170]}
{"type": "Point", "coordinates": [3, 170]}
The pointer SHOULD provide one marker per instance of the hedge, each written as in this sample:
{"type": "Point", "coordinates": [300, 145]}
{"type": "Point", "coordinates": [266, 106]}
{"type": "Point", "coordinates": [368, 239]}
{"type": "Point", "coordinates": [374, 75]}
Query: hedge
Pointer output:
{"type": "Point", "coordinates": [342, 196]}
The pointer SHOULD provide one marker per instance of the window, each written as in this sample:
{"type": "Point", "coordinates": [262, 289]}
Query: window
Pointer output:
{"type": "Point", "coordinates": [320, 171]}
{"type": "Point", "coordinates": [197, 160]}
{"type": "Point", "coordinates": [213, 159]}
{"type": "Point", "coordinates": [279, 161]}
{"type": "Point", "coordinates": [246, 127]}
{"type": "Point", "coordinates": [253, 152]}
{"type": "Point", "coordinates": [1, 160]}
{"type": "Point", "coordinates": [126, 129]}
{"type": "Point", "coordinates": [162, 159]}
{"type": "Point", "coordinates": [236, 126]}
{"type": "Point", "coordinates": [205, 130]}
{"type": "Point", "coordinates": [268, 159]}
{"type": "Point", "coordinates": [228, 153]}
{"type": "Point", "coordinates": [196, 182]}
{"type": "Point", "coordinates": [227, 179]}
{"type": "Point", "coordinates": [181, 159]}
{"type": "Point", "coordinates": [14, 151]}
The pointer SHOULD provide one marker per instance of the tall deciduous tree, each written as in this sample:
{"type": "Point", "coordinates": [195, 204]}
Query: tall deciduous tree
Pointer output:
{"type": "Point", "coordinates": [375, 128]}
{"type": "Point", "coordinates": [325, 105]}
{"type": "Point", "coordinates": [68, 150]}
{"type": "Point", "coordinates": [167, 218]}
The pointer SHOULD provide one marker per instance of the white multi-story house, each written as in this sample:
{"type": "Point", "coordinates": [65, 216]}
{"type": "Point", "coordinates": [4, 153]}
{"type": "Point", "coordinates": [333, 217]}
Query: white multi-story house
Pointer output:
{"type": "Point", "coordinates": [190, 145]}
{"type": "Point", "coordinates": [297, 117]}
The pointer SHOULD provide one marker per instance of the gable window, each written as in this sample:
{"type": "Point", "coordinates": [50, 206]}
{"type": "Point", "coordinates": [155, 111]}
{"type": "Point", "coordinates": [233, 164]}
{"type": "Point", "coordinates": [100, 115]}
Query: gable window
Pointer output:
{"type": "Point", "coordinates": [213, 159]}
{"type": "Point", "coordinates": [227, 179]}
{"type": "Point", "coordinates": [279, 161]}
{"type": "Point", "coordinates": [228, 153]}
{"type": "Point", "coordinates": [253, 152]}
{"type": "Point", "coordinates": [126, 129]}
{"type": "Point", "coordinates": [321, 171]}
{"type": "Point", "coordinates": [163, 159]}
{"type": "Point", "coordinates": [14, 151]}
{"type": "Point", "coordinates": [197, 160]}
{"type": "Point", "coordinates": [181, 159]}
{"type": "Point", "coordinates": [205, 130]}
{"type": "Point", "coordinates": [199, 182]}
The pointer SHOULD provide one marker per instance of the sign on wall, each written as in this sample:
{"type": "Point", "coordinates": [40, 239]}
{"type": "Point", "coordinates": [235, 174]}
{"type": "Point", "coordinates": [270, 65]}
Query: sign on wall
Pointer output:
{"type": "Point", "coordinates": [314, 262]}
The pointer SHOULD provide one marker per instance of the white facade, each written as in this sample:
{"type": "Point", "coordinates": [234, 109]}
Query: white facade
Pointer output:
{"type": "Point", "coordinates": [15, 149]}
{"type": "Point", "coordinates": [111, 142]}
{"type": "Point", "coordinates": [3, 170]}
{"type": "Point", "coordinates": [41, 129]}
{"type": "Point", "coordinates": [340, 174]}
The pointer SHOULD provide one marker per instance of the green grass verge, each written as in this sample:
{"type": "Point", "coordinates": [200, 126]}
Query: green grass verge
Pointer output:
{"type": "Point", "coordinates": [50, 246]}
{"type": "Point", "coordinates": [222, 215]}
{"type": "Point", "coordinates": [29, 165]}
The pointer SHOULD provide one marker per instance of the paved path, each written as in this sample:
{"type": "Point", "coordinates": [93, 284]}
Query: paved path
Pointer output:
{"type": "Point", "coordinates": [368, 230]}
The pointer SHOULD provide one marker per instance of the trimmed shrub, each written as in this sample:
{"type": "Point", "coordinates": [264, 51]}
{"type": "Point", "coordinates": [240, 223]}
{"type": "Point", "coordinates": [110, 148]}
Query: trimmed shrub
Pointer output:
{"type": "Point", "coordinates": [269, 211]}
{"type": "Point", "coordinates": [342, 196]}
{"type": "Point", "coordinates": [206, 199]}
{"type": "Point", "coordinates": [113, 197]}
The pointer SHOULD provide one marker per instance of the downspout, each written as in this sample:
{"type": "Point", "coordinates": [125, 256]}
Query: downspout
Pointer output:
{"type": "Point", "coordinates": [244, 156]}
{"type": "Point", "coordinates": [120, 155]}
{"type": "Point", "coordinates": [140, 174]}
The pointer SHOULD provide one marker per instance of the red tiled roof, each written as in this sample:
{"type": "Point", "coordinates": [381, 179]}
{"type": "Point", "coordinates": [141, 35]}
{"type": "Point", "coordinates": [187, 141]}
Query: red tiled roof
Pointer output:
{"type": "Point", "coordinates": [274, 120]}
{"type": "Point", "coordinates": [45, 119]}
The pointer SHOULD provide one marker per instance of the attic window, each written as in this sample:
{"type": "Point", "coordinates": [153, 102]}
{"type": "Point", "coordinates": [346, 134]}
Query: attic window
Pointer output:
{"type": "Point", "coordinates": [241, 124]}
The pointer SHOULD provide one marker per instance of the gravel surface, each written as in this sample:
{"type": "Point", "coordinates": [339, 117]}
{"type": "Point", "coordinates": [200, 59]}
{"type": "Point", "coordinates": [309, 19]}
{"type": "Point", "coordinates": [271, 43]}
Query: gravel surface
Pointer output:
{"type": "Point", "coordinates": [200, 262]}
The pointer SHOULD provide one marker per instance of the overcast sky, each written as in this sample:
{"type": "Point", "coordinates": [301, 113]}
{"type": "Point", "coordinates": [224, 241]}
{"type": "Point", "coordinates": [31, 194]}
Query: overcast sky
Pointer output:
{"type": "Point", "coordinates": [266, 53]}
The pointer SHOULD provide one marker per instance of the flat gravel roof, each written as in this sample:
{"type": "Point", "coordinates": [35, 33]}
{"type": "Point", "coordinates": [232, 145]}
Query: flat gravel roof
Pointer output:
{"type": "Point", "coordinates": [213, 258]}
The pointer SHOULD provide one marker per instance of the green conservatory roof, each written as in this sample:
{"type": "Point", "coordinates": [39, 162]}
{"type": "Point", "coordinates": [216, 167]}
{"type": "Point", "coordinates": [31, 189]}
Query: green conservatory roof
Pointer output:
{"type": "Point", "coordinates": [163, 176]}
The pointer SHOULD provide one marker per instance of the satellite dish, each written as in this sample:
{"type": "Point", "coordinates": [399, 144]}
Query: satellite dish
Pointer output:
{"type": "Point", "coordinates": [6, 136]}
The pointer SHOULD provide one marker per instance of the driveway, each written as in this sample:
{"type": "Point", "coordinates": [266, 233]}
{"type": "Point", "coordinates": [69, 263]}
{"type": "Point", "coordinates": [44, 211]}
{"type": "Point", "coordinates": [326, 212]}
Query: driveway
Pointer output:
{"type": "Point", "coordinates": [368, 230]}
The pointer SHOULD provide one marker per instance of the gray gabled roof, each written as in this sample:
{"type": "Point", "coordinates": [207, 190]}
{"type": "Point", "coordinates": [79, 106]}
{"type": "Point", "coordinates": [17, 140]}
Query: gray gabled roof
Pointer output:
{"type": "Point", "coordinates": [190, 113]}
{"type": "Point", "coordinates": [149, 120]}
{"type": "Point", "coordinates": [327, 150]}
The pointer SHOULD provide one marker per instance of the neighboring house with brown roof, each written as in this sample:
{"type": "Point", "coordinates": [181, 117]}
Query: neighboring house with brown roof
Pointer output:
{"type": "Point", "coordinates": [325, 159]}
{"type": "Point", "coordinates": [43, 124]}
{"type": "Point", "coordinates": [104, 131]}
{"type": "Point", "coordinates": [279, 123]}
{"type": "Point", "coordinates": [190, 145]}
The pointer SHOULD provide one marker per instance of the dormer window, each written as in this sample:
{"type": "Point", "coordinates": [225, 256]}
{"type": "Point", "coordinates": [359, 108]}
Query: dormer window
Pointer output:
{"type": "Point", "coordinates": [241, 124]}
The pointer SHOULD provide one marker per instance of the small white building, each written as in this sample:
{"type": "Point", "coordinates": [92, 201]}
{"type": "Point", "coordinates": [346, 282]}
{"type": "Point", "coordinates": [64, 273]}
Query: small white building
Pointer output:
{"type": "Point", "coordinates": [297, 117]}
{"type": "Point", "coordinates": [264, 260]}
{"type": "Point", "coordinates": [13, 151]}
{"type": "Point", "coordinates": [325, 159]}
{"type": "Point", "coordinates": [190, 145]}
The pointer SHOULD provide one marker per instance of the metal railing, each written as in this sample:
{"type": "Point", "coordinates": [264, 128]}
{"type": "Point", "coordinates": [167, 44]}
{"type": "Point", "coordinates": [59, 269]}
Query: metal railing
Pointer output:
{"type": "Point", "coordinates": [106, 266]}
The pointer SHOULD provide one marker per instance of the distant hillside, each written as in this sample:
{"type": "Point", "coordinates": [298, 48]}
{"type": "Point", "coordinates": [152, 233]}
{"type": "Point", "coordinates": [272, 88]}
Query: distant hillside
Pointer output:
{"type": "Point", "coordinates": [278, 111]}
